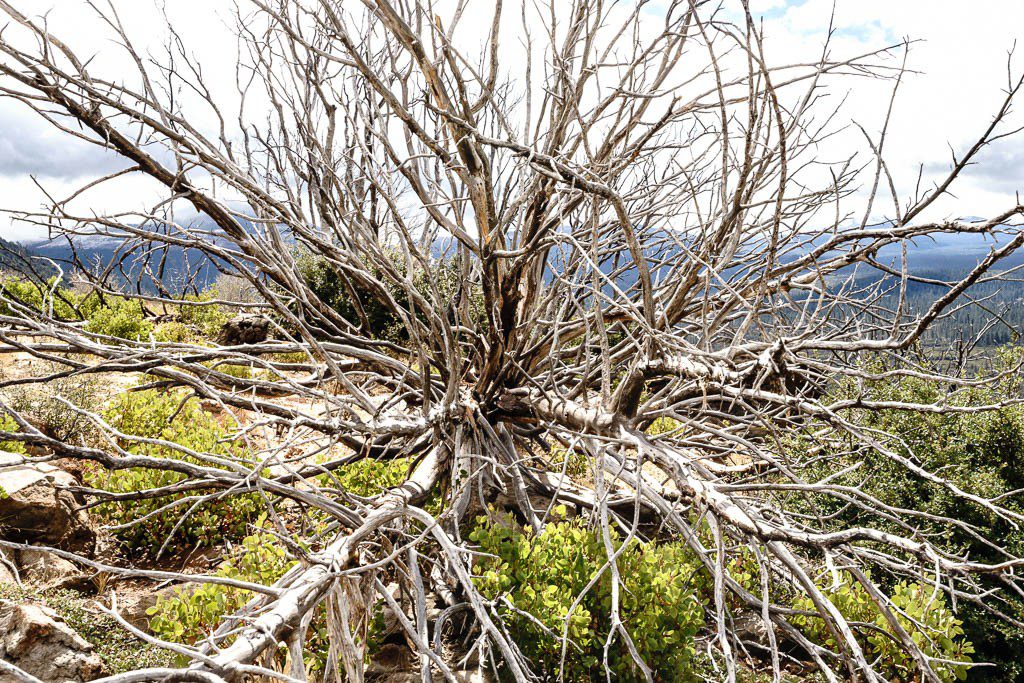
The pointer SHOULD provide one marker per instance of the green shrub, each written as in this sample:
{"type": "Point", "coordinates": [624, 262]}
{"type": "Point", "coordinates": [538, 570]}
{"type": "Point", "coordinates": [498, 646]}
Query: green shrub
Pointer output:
{"type": "Point", "coordinates": [239, 371]}
{"type": "Point", "coordinates": [923, 613]}
{"type": "Point", "coordinates": [232, 370]}
{"type": "Point", "coordinates": [980, 452]}
{"type": "Point", "coordinates": [290, 357]}
{"type": "Point", "coordinates": [46, 405]}
{"type": "Point", "coordinates": [7, 424]}
{"type": "Point", "coordinates": [660, 603]}
{"type": "Point", "coordinates": [195, 609]}
{"type": "Point", "coordinates": [173, 332]}
{"type": "Point", "coordinates": [576, 463]}
{"type": "Point", "coordinates": [382, 321]}
{"type": "Point", "coordinates": [120, 318]}
{"type": "Point", "coordinates": [160, 415]}
{"type": "Point", "coordinates": [192, 611]}
{"type": "Point", "coordinates": [207, 318]}
{"type": "Point", "coordinates": [663, 425]}
{"type": "Point", "coordinates": [24, 293]}
{"type": "Point", "coordinates": [63, 302]}
{"type": "Point", "coordinates": [369, 477]}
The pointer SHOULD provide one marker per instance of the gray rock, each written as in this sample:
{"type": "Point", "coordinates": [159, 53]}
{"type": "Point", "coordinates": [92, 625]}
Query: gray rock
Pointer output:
{"type": "Point", "coordinates": [134, 606]}
{"type": "Point", "coordinates": [7, 568]}
{"type": "Point", "coordinates": [45, 570]}
{"type": "Point", "coordinates": [391, 662]}
{"type": "Point", "coordinates": [37, 641]}
{"type": "Point", "coordinates": [36, 508]}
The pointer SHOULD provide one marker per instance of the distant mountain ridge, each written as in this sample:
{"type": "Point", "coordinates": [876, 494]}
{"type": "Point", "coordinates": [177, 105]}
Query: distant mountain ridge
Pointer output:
{"type": "Point", "coordinates": [171, 265]}
{"type": "Point", "coordinates": [16, 257]}
{"type": "Point", "coordinates": [941, 256]}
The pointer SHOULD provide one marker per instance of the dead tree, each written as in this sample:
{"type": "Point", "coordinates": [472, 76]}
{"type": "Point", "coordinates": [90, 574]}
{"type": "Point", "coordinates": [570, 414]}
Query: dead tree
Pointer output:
{"type": "Point", "coordinates": [641, 229]}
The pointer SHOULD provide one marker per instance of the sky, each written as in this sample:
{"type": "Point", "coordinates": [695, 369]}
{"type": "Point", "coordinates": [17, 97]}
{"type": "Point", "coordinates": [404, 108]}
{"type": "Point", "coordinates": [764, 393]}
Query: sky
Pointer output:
{"type": "Point", "coordinates": [959, 58]}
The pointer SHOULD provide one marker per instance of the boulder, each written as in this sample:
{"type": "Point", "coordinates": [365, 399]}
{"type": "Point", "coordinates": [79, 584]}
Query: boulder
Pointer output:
{"type": "Point", "coordinates": [37, 508]}
{"type": "Point", "coordinates": [37, 641]}
{"type": "Point", "coordinates": [245, 328]}
{"type": "Point", "coordinates": [45, 570]}
{"type": "Point", "coordinates": [133, 605]}
{"type": "Point", "coordinates": [392, 662]}
{"type": "Point", "coordinates": [8, 568]}
{"type": "Point", "coordinates": [73, 466]}
{"type": "Point", "coordinates": [134, 608]}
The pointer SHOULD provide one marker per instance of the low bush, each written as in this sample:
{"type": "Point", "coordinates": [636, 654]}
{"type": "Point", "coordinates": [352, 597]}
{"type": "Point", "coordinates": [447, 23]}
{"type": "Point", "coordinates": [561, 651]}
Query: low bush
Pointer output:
{"type": "Point", "coordinates": [47, 405]}
{"type": "Point", "coordinates": [661, 602]}
{"type": "Point", "coordinates": [173, 332]}
{"type": "Point", "coordinates": [291, 357]}
{"type": "Point", "coordinates": [195, 609]}
{"type": "Point", "coordinates": [232, 370]}
{"type": "Point", "coordinates": [921, 611]}
{"type": "Point", "coordinates": [664, 425]}
{"type": "Point", "coordinates": [196, 312]}
{"type": "Point", "coordinates": [7, 424]}
{"type": "Point", "coordinates": [51, 298]}
{"type": "Point", "coordinates": [351, 298]}
{"type": "Point", "coordinates": [368, 477]}
{"type": "Point", "coordinates": [664, 593]}
{"type": "Point", "coordinates": [979, 452]}
{"type": "Point", "coordinates": [121, 318]}
{"type": "Point", "coordinates": [169, 417]}
{"type": "Point", "coordinates": [239, 371]}
{"type": "Point", "coordinates": [574, 462]}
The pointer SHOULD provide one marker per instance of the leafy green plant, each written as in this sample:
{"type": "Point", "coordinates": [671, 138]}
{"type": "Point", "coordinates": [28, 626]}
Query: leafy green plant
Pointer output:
{"type": "Point", "coordinates": [121, 318]}
{"type": "Point", "coordinates": [542, 576]}
{"type": "Point", "coordinates": [49, 298]}
{"type": "Point", "coordinates": [575, 462]}
{"type": "Point", "coordinates": [239, 371]}
{"type": "Point", "coordinates": [921, 611]}
{"type": "Point", "coordinates": [663, 425]}
{"type": "Point", "coordinates": [980, 452]}
{"type": "Point", "coordinates": [47, 405]}
{"type": "Point", "coordinates": [193, 610]}
{"type": "Point", "coordinates": [290, 357]}
{"type": "Point", "coordinates": [169, 417]}
{"type": "Point", "coordinates": [369, 477]}
{"type": "Point", "coordinates": [232, 370]}
{"type": "Point", "coordinates": [7, 424]}
{"type": "Point", "coordinates": [197, 312]}
{"type": "Point", "coordinates": [172, 331]}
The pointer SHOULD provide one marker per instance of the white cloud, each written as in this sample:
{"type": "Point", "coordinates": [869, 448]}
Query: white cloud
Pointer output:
{"type": "Point", "coordinates": [759, 6]}
{"type": "Point", "coordinates": [961, 57]}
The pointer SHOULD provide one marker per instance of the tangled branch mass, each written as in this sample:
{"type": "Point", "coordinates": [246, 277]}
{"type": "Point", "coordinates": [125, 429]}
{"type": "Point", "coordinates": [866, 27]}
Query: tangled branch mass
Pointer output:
{"type": "Point", "coordinates": [543, 344]}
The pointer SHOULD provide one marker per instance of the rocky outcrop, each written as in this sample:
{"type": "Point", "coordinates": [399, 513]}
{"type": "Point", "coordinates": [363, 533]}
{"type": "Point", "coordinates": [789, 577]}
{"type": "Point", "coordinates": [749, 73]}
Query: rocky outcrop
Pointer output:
{"type": "Point", "coordinates": [245, 328]}
{"type": "Point", "coordinates": [8, 568]}
{"type": "Point", "coordinates": [37, 508]}
{"type": "Point", "coordinates": [37, 641]}
{"type": "Point", "coordinates": [133, 605]}
{"type": "Point", "coordinates": [45, 570]}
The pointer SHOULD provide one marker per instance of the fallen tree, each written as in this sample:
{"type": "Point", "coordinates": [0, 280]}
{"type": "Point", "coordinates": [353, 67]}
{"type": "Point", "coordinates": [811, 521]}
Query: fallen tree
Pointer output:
{"type": "Point", "coordinates": [635, 230]}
